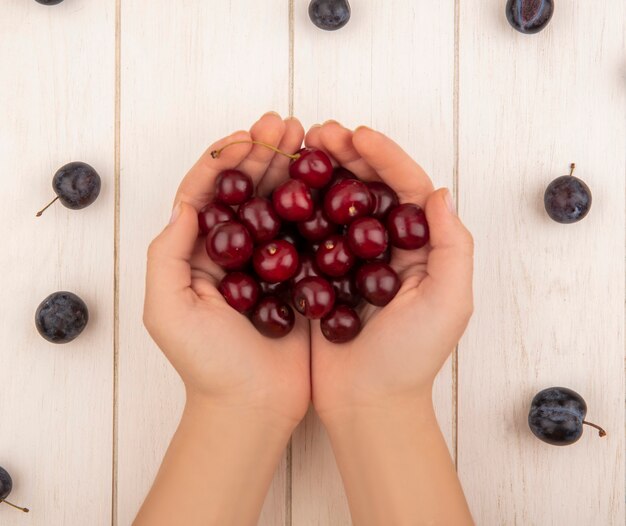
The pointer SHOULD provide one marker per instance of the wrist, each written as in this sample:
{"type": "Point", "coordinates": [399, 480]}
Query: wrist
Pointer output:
{"type": "Point", "coordinates": [201, 409]}
{"type": "Point", "coordinates": [417, 408]}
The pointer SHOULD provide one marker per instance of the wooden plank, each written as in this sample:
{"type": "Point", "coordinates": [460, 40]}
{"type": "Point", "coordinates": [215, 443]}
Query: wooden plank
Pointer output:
{"type": "Point", "coordinates": [549, 297]}
{"type": "Point", "coordinates": [391, 67]}
{"type": "Point", "coordinates": [57, 106]}
{"type": "Point", "coordinates": [191, 72]}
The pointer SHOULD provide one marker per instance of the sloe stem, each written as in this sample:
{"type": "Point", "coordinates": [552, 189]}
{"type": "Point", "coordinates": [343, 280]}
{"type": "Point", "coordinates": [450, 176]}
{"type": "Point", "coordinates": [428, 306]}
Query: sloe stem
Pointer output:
{"type": "Point", "coordinates": [25, 510]}
{"type": "Point", "coordinates": [46, 208]}
{"type": "Point", "coordinates": [601, 431]}
{"type": "Point", "coordinates": [571, 169]}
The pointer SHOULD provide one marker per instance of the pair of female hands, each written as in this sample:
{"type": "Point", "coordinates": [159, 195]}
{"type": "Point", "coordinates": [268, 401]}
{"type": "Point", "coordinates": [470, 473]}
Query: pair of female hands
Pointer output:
{"type": "Point", "coordinates": [223, 360]}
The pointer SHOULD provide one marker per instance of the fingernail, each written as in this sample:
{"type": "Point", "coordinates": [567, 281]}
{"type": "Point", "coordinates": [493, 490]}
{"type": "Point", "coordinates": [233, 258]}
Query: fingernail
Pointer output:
{"type": "Point", "coordinates": [175, 212]}
{"type": "Point", "coordinates": [362, 127]}
{"type": "Point", "coordinates": [272, 112]}
{"type": "Point", "coordinates": [316, 125]}
{"type": "Point", "coordinates": [330, 121]}
{"type": "Point", "coordinates": [450, 202]}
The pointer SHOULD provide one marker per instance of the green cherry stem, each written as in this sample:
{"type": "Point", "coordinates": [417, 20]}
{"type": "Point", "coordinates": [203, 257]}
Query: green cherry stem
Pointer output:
{"type": "Point", "coordinates": [25, 510]}
{"type": "Point", "coordinates": [601, 431]}
{"type": "Point", "coordinates": [38, 214]}
{"type": "Point", "coordinates": [216, 153]}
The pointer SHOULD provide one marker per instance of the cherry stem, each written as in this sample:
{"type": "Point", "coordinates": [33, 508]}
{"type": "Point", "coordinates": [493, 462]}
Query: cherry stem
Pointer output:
{"type": "Point", "coordinates": [25, 510]}
{"type": "Point", "coordinates": [38, 214]}
{"type": "Point", "coordinates": [601, 431]}
{"type": "Point", "coordinates": [572, 168]}
{"type": "Point", "coordinates": [216, 153]}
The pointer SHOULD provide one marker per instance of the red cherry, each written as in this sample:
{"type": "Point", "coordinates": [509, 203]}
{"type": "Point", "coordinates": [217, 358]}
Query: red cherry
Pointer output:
{"type": "Point", "coordinates": [378, 283]}
{"type": "Point", "coordinates": [229, 245]}
{"type": "Point", "coordinates": [306, 268]}
{"type": "Point", "coordinates": [407, 226]}
{"type": "Point", "coordinates": [367, 237]}
{"type": "Point", "coordinates": [275, 261]}
{"type": "Point", "coordinates": [313, 297]}
{"type": "Point", "coordinates": [334, 257]}
{"type": "Point", "coordinates": [317, 227]}
{"type": "Point", "coordinates": [259, 217]}
{"type": "Point", "coordinates": [341, 325]}
{"type": "Point", "coordinates": [312, 167]}
{"type": "Point", "coordinates": [345, 290]}
{"type": "Point", "coordinates": [272, 317]}
{"type": "Point", "coordinates": [292, 201]}
{"type": "Point", "coordinates": [233, 187]}
{"type": "Point", "coordinates": [385, 199]}
{"type": "Point", "coordinates": [346, 201]}
{"type": "Point", "coordinates": [212, 214]}
{"type": "Point", "coordinates": [240, 291]}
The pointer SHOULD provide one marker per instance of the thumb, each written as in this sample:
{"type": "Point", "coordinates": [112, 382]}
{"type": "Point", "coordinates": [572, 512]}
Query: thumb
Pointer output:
{"type": "Point", "coordinates": [169, 270]}
{"type": "Point", "coordinates": [451, 260]}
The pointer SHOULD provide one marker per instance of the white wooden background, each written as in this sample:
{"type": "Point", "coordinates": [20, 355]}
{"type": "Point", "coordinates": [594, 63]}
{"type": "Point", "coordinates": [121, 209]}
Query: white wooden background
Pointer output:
{"type": "Point", "coordinates": [139, 89]}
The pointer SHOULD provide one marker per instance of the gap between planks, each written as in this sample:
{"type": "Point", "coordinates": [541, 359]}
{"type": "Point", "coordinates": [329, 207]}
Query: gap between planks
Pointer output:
{"type": "Point", "coordinates": [116, 258]}
{"type": "Point", "coordinates": [289, 450]}
{"type": "Point", "coordinates": [455, 190]}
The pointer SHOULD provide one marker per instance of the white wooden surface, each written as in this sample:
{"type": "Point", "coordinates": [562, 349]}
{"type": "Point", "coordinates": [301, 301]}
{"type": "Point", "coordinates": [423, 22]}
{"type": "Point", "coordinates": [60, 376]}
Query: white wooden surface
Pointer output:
{"type": "Point", "coordinates": [549, 297]}
{"type": "Point", "coordinates": [56, 402]}
{"type": "Point", "coordinates": [83, 441]}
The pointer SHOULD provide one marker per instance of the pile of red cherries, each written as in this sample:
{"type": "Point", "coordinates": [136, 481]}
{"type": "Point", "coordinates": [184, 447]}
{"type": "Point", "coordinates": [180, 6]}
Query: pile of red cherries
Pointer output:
{"type": "Point", "coordinates": [321, 243]}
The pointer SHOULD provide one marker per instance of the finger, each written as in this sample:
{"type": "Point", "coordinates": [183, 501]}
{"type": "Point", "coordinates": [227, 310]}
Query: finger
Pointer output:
{"type": "Point", "coordinates": [169, 270]}
{"type": "Point", "coordinates": [278, 169]}
{"type": "Point", "coordinates": [198, 186]}
{"type": "Point", "coordinates": [394, 166]}
{"type": "Point", "coordinates": [337, 141]}
{"type": "Point", "coordinates": [313, 139]}
{"type": "Point", "coordinates": [450, 262]}
{"type": "Point", "coordinates": [269, 129]}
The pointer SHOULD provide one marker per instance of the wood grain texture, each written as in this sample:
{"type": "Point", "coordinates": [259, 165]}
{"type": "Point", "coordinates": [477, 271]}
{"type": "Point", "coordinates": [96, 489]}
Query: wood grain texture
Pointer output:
{"type": "Point", "coordinates": [392, 68]}
{"type": "Point", "coordinates": [56, 103]}
{"type": "Point", "coordinates": [549, 297]}
{"type": "Point", "coordinates": [191, 73]}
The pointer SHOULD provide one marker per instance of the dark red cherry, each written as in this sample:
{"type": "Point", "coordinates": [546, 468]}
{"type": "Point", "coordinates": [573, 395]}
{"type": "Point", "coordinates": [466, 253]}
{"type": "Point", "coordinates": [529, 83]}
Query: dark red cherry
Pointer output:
{"type": "Point", "coordinates": [240, 291]}
{"type": "Point", "coordinates": [385, 257]}
{"type": "Point", "coordinates": [292, 201]}
{"type": "Point", "coordinates": [229, 245]}
{"type": "Point", "coordinates": [280, 290]}
{"type": "Point", "coordinates": [233, 187]}
{"type": "Point", "coordinates": [345, 290]}
{"type": "Point", "coordinates": [306, 268]}
{"type": "Point", "coordinates": [407, 227]}
{"type": "Point", "coordinates": [377, 282]}
{"type": "Point", "coordinates": [367, 237]}
{"type": "Point", "coordinates": [312, 167]}
{"type": "Point", "coordinates": [275, 261]}
{"type": "Point", "coordinates": [259, 217]}
{"type": "Point", "coordinates": [385, 199]}
{"type": "Point", "coordinates": [273, 317]}
{"type": "Point", "coordinates": [290, 234]}
{"type": "Point", "coordinates": [341, 325]}
{"type": "Point", "coordinates": [317, 227]}
{"type": "Point", "coordinates": [334, 257]}
{"type": "Point", "coordinates": [313, 297]}
{"type": "Point", "coordinates": [212, 214]}
{"type": "Point", "coordinates": [346, 201]}
{"type": "Point", "coordinates": [341, 174]}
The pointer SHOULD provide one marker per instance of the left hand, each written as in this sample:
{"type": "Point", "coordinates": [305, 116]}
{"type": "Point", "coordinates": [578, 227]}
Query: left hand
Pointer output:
{"type": "Point", "coordinates": [222, 359]}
